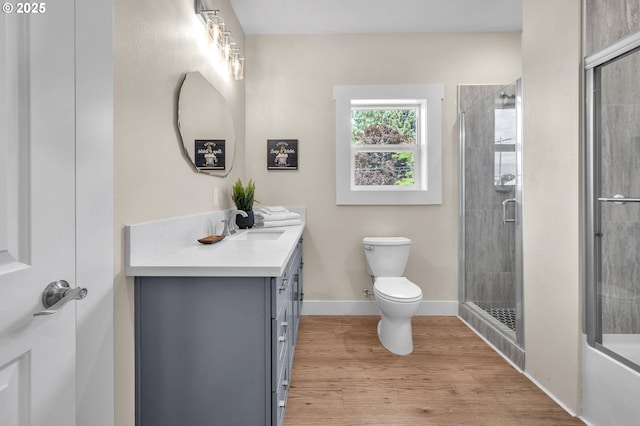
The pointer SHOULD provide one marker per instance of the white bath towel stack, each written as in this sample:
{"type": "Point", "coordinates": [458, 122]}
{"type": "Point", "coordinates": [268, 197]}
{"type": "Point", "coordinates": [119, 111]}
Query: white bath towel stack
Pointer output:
{"type": "Point", "coordinates": [269, 217]}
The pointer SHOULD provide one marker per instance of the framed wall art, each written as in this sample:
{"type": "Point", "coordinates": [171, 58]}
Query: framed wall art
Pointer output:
{"type": "Point", "coordinates": [282, 154]}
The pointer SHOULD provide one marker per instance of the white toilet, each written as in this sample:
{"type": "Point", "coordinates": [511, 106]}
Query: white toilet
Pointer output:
{"type": "Point", "coordinates": [398, 298]}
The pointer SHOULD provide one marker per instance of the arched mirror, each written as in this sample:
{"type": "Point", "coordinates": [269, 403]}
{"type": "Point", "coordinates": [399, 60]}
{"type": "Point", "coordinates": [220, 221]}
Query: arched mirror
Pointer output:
{"type": "Point", "coordinates": [206, 126]}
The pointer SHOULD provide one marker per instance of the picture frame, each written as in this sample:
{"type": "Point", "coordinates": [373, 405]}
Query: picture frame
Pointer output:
{"type": "Point", "coordinates": [282, 154]}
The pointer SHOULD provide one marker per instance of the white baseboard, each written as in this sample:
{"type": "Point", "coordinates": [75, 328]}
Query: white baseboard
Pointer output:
{"type": "Point", "coordinates": [365, 307]}
{"type": "Point", "coordinates": [550, 395]}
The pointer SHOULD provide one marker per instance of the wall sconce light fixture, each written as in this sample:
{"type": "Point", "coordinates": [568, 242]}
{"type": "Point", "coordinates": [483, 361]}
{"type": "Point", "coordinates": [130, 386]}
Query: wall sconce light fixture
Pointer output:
{"type": "Point", "coordinates": [236, 65]}
{"type": "Point", "coordinates": [220, 39]}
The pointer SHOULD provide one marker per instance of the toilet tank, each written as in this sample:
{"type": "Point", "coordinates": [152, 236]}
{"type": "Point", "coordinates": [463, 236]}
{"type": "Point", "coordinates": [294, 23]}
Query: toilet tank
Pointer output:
{"type": "Point", "coordinates": [386, 256]}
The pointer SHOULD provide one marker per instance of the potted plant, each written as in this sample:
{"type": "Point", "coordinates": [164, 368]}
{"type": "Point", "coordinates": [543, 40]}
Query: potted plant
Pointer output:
{"type": "Point", "coordinates": [243, 198]}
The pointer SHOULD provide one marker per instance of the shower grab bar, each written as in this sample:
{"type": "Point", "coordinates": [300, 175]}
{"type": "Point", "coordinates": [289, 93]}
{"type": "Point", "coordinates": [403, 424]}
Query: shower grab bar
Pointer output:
{"type": "Point", "coordinates": [619, 199]}
{"type": "Point", "coordinates": [504, 211]}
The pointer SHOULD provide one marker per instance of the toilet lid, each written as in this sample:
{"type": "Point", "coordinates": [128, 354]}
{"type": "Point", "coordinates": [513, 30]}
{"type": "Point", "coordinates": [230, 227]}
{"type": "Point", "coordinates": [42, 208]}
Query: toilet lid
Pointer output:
{"type": "Point", "coordinates": [397, 289]}
{"type": "Point", "coordinates": [386, 241]}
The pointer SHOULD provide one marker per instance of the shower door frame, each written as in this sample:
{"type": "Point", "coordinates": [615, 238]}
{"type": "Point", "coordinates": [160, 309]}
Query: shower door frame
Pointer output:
{"type": "Point", "coordinates": [592, 142]}
{"type": "Point", "coordinates": [519, 291]}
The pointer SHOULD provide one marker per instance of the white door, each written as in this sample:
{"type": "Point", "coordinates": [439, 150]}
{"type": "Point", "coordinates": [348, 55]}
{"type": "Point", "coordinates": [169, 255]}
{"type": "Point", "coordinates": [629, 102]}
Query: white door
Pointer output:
{"type": "Point", "coordinates": [37, 219]}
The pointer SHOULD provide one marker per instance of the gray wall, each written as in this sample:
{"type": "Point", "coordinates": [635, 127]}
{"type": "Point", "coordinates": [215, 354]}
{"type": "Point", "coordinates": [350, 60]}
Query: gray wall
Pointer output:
{"type": "Point", "coordinates": [620, 162]}
{"type": "Point", "coordinates": [489, 244]}
{"type": "Point", "coordinates": [608, 21]}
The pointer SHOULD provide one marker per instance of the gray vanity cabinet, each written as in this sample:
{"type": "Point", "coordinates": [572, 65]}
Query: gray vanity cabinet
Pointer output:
{"type": "Point", "coordinates": [216, 350]}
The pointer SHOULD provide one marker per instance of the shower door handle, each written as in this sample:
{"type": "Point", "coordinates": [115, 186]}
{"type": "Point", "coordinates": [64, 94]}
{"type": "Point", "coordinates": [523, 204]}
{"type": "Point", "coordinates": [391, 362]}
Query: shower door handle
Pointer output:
{"type": "Point", "coordinates": [619, 199]}
{"type": "Point", "coordinates": [504, 211]}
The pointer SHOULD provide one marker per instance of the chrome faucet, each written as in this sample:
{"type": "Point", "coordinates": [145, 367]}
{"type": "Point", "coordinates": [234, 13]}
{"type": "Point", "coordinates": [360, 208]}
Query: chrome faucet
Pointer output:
{"type": "Point", "coordinates": [240, 212]}
{"type": "Point", "coordinates": [234, 213]}
{"type": "Point", "coordinates": [229, 226]}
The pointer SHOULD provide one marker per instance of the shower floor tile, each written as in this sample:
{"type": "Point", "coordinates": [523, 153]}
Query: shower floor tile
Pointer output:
{"type": "Point", "coordinates": [505, 315]}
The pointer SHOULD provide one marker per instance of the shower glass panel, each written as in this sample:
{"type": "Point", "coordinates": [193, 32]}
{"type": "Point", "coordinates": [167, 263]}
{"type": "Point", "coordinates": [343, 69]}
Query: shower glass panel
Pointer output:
{"type": "Point", "coordinates": [613, 292]}
{"type": "Point", "coordinates": [490, 209]}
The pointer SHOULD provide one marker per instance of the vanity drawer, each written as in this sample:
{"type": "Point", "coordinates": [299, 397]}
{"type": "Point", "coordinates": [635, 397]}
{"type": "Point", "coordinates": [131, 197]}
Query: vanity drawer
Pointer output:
{"type": "Point", "coordinates": [284, 292]}
{"type": "Point", "coordinates": [280, 338]}
{"type": "Point", "coordinates": [281, 394]}
{"type": "Point", "coordinates": [283, 332]}
{"type": "Point", "coordinates": [281, 292]}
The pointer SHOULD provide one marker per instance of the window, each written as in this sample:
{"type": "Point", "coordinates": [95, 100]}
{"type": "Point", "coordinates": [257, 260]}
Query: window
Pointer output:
{"type": "Point", "coordinates": [388, 144]}
{"type": "Point", "coordinates": [505, 166]}
{"type": "Point", "coordinates": [384, 146]}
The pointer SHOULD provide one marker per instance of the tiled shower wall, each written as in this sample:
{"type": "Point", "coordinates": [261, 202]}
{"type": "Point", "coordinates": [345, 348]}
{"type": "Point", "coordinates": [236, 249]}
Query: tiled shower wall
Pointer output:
{"type": "Point", "coordinates": [607, 22]}
{"type": "Point", "coordinates": [489, 244]}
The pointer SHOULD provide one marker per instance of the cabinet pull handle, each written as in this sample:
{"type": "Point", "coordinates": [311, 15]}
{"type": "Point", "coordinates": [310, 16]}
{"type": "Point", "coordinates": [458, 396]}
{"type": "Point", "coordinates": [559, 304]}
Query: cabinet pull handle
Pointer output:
{"type": "Point", "coordinates": [284, 326]}
{"type": "Point", "coordinates": [282, 403]}
{"type": "Point", "coordinates": [285, 383]}
{"type": "Point", "coordinates": [283, 286]}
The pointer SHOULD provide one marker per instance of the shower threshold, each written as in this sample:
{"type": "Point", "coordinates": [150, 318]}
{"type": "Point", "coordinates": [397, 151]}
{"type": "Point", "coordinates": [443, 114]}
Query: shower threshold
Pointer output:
{"type": "Point", "coordinates": [502, 337]}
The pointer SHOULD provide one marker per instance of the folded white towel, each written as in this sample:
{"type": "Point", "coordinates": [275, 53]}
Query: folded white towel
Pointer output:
{"type": "Point", "coordinates": [277, 223]}
{"type": "Point", "coordinates": [272, 209]}
{"type": "Point", "coordinates": [269, 217]}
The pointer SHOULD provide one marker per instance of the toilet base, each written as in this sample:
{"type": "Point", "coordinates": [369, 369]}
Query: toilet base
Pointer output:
{"type": "Point", "coordinates": [396, 336]}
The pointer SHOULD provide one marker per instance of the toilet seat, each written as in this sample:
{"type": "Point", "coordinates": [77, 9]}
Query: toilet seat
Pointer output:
{"type": "Point", "coordinates": [397, 289]}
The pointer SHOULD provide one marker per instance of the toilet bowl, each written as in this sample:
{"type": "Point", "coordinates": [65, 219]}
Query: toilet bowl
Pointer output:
{"type": "Point", "coordinates": [398, 298]}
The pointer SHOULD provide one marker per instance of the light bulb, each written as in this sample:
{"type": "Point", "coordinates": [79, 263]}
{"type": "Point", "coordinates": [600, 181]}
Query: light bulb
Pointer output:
{"type": "Point", "coordinates": [214, 25]}
{"type": "Point", "coordinates": [237, 66]}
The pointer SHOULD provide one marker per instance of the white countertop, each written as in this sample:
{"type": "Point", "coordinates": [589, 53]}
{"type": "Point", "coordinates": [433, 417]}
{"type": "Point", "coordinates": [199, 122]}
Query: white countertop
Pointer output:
{"type": "Point", "coordinates": [162, 249]}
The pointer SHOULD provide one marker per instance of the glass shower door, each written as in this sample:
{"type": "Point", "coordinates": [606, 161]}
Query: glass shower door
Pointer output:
{"type": "Point", "coordinates": [613, 293]}
{"type": "Point", "coordinates": [490, 207]}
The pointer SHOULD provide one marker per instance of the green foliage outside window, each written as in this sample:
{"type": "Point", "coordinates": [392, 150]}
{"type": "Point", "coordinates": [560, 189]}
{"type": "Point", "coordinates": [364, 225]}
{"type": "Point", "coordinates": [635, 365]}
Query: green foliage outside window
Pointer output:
{"type": "Point", "coordinates": [383, 127]}
{"type": "Point", "coordinates": [400, 125]}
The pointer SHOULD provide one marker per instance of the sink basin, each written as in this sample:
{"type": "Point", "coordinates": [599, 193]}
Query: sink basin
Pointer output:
{"type": "Point", "coordinates": [260, 234]}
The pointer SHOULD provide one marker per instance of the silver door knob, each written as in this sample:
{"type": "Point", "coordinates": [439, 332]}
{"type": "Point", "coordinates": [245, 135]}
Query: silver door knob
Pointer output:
{"type": "Point", "coordinates": [57, 294]}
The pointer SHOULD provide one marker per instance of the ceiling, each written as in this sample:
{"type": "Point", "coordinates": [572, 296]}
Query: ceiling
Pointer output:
{"type": "Point", "coordinates": [376, 16]}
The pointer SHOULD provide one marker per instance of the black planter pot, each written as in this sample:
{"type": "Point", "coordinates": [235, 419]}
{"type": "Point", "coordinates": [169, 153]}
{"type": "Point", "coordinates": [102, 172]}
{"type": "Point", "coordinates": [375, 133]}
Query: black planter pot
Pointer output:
{"type": "Point", "coordinates": [245, 222]}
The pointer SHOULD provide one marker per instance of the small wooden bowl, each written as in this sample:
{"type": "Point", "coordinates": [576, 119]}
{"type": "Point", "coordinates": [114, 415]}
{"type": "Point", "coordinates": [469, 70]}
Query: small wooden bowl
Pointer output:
{"type": "Point", "coordinates": [211, 239]}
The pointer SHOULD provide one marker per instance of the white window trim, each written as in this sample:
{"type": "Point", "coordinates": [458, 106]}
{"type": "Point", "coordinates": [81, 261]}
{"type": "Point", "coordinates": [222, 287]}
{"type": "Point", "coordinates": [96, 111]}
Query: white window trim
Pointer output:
{"type": "Point", "coordinates": [428, 189]}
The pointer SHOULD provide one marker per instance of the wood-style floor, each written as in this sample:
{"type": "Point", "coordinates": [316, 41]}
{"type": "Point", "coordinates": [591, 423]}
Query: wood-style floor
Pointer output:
{"type": "Point", "coordinates": [343, 376]}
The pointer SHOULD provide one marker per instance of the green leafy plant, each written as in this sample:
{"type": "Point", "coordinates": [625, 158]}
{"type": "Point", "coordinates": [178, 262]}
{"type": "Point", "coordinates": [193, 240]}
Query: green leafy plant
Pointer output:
{"type": "Point", "coordinates": [243, 197]}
